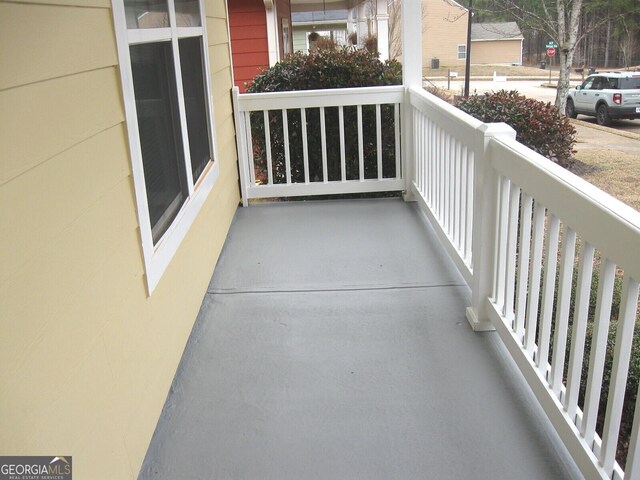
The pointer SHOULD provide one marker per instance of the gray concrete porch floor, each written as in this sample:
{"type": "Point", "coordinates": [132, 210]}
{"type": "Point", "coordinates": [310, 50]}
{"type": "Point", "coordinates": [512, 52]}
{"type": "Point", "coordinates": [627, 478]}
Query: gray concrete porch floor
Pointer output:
{"type": "Point", "coordinates": [332, 344]}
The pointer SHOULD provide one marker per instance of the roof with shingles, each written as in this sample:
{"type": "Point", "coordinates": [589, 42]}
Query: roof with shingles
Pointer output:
{"type": "Point", "coordinates": [496, 31]}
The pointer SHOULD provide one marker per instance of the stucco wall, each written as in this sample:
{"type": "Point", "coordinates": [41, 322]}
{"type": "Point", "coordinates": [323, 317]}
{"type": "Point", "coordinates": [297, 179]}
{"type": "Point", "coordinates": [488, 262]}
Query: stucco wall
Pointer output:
{"type": "Point", "coordinates": [86, 355]}
{"type": "Point", "coordinates": [444, 27]}
{"type": "Point", "coordinates": [496, 51]}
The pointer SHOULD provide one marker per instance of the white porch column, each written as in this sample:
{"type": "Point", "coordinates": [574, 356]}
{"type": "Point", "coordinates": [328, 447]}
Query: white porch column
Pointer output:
{"type": "Point", "coordinates": [352, 24]}
{"type": "Point", "coordinates": [361, 23]}
{"type": "Point", "coordinates": [382, 27]}
{"type": "Point", "coordinates": [272, 32]}
{"type": "Point", "coordinates": [412, 43]}
{"type": "Point", "coordinates": [411, 77]}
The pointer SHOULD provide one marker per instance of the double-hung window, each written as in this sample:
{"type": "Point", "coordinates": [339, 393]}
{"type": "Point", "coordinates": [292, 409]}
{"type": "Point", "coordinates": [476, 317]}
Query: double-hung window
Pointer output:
{"type": "Point", "coordinates": [163, 57]}
{"type": "Point", "coordinates": [462, 52]}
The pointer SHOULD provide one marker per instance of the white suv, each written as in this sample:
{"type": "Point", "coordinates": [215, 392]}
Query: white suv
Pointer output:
{"type": "Point", "coordinates": [606, 96]}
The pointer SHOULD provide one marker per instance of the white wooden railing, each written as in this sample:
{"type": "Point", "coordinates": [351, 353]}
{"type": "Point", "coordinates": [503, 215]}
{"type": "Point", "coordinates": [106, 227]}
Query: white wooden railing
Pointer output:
{"type": "Point", "coordinates": [267, 121]}
{"type": "Point", "coordinates": [526, 235]}
{"type": "Point", "coordinates": [520, 229]}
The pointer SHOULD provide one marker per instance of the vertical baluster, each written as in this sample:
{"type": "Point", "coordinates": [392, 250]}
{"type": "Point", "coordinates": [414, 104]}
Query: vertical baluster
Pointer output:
{"type": "Point", "coordinates": [446, 159]}
{"type": "Point", "coordinates": [450, 185]}
{"type": "Point", "coordinates": [417, 150]}
{"type": "Point", "coordinates": [562, 309]}
{"type": "Point", "coordinates": [287, 153]}
{"type": "Point", "coordinates": [456, 196]}
{"type": "Point", "coordinates": [252, 160]}
{"type": "Point", "coordinates": [632, 469]}
{"type": "Point", "coordinates": [437, 159]}
{"type": "Point", "coordinates": [396, 124]}
{"type": "Point", "coordinates": [501, 253]}
{"type": "Point", "coordinates": [512, 245]}
{"type": "Point", "coordinates": [323, 141]}
{"type": "Point", "coordinates": [305, 145]}
{"type": "Point", "coordinates": [441, 173]}
{"type": "Point", "coordinates": [523, 270]}
{"type": "Point", "coordinates": [424, 145]}
{"type": "Point", "coordinates": [464, 188]}
{"type": "Point", "coordinates": [360, 144]}
{"type": "Point", "coordinates": [619, 371]}
{"type": "Point", "coordinates": [470, 199]}
{"type": "Point", "coordinates": [576, 355]}
{"type": "Point", "coordinates": [267, 142]}
{"type": "Point", "coordinates": [431, 166]}
{"type": "Point", "coordinates": [598, 350]}
{"type": "Point", "coordinates": [343, 168]}
{"type": "Point", "coordinates": [534, 278]}
{"type": "Point", "coordinates": [548, 291]}
{"type": "Point", "coordinates": [379, 140]}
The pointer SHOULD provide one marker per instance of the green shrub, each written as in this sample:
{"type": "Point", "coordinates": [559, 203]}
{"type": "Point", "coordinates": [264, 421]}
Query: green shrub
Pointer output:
{"type": "Point", "coordinates": [325, 69]}
{"type": "Point", "coordinates": [538, 125]}
{"type": "Point", "coordinates": [341, 68]}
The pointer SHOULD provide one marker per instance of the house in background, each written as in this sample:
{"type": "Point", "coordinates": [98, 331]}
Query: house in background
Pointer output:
{"type": "Point", "coordinates": [496, 43]}
{"type": "Point", "coordinates": [263, 31]}
{"type": "Point", "coordinates": [444, 37]}
{"type": "Point", "coordinates": [329, 23]}
{"type": "Point", "coordinates": [260, 36]}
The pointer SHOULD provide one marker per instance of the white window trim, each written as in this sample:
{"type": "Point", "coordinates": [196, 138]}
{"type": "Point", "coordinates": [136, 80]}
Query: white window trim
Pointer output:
{"type": "Point", "coordinates": [157, 257]}
{"type": "Point", "coordinates": [458, 51]}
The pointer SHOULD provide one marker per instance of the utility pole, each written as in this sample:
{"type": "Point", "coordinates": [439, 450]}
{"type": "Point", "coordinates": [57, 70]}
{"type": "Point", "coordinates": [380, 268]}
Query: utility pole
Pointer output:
{"type": "Point", "coordinates": [468, 56]}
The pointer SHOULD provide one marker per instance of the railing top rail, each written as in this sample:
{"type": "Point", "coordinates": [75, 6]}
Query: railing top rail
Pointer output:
{"type": "Point", "coordinates": [606, 223]}
{"type": "Point", "coordinates": [445, 114]}
{"type": "Point", "coordinates": [320, 98]}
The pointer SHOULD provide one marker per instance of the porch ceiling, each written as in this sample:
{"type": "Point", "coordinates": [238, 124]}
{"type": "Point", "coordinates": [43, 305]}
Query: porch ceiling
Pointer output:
{"type": "Point", "coordinates": [332, 343]}
{"type": "Point", "coordinates": [317, 5]}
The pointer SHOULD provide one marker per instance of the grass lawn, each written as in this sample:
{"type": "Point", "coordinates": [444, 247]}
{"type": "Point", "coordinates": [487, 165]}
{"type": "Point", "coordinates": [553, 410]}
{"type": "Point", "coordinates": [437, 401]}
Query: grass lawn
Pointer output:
{"type": "Point", "coordinates": [610, 162]}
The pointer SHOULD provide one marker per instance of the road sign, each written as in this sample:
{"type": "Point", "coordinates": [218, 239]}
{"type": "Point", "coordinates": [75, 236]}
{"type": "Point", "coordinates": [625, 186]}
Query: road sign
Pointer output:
{"type": "Point", "coordinates": [551, 52]}
{"type": "Point", "coordinates": [551, 44]}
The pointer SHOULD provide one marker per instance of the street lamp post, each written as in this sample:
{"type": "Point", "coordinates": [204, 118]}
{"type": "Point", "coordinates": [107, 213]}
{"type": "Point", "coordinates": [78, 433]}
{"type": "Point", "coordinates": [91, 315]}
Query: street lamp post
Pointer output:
{"type": "Point", "coordinates": [468, 53]}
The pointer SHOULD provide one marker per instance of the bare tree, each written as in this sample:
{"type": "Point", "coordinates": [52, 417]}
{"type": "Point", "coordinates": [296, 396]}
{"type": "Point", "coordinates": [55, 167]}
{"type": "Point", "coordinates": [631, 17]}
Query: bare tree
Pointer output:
{"type": "Point", "coordinates": [394, 10]}
{"type": "Point", "coordinates": [560, 21]}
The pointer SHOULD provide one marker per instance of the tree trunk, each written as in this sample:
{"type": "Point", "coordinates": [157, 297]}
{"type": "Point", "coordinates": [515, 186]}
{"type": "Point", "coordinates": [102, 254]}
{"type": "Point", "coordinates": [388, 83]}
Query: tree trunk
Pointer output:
{"type": "Point", "coordinates": [568, 23]}
{"type": "Point", "coordinates": [607, 45]}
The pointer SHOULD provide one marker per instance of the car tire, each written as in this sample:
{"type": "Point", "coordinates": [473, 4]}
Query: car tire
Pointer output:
{"type": "Point", "coordinates": [570, 109]}
{"type": "Point", "coordinates": [602, 115]}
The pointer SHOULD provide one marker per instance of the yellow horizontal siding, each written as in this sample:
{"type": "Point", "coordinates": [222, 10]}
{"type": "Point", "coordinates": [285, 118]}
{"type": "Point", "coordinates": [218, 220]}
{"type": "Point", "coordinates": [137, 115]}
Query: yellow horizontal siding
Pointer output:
{"type": "Point", "coordinates": [86, 356]}
{"type": "Point", "coordinates": [218, 58]}
{"type": "Point", "coordinates": [100, 162]}
{"type": "Point", "coordinates": [215, 8]}
{"type": "Point", "coordinates": [41, 120]}
{"type": "Point", "coordinates": [221, 83]}
{"type": "Point", "coordinates": [81, 39]}
{"type": "Point", "coordinates": [217, 31]}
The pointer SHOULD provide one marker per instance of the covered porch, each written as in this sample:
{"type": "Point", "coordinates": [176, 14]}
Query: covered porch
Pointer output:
{"type": "Point", "coordinates": [332, 343]}
{"type": "Point", "coordinates": [454, 334]}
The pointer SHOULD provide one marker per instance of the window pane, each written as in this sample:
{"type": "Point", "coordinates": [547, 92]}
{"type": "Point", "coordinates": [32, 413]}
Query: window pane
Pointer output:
{"type": "Point", "coordinates": [146, 13]}
{"type": "Point", "coordinates": [187, 13]}
{"type": "Point", "coordinates": [195, 103]}
{"type": "Point", "coordinates": [159, 127]}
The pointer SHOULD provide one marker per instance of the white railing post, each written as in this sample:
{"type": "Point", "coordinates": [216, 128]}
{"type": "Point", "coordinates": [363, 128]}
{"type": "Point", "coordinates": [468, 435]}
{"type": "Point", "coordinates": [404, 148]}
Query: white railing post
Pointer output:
{"type": "Point", "coordinates": [241, 146]}
{"type": "Point", "coordinates": [485, 217]}
{"type": "Point", "coordinates": [411, 77]}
